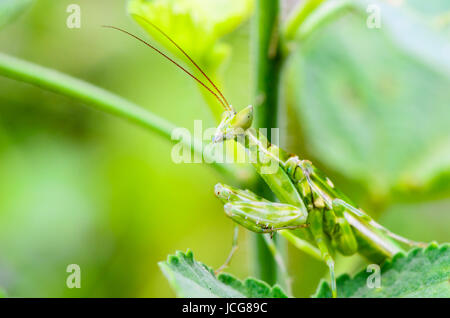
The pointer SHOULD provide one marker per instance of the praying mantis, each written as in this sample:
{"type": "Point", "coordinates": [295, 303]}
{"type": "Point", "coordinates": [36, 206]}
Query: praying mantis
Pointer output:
{"type": "Point", "coordinates": [313, 214]}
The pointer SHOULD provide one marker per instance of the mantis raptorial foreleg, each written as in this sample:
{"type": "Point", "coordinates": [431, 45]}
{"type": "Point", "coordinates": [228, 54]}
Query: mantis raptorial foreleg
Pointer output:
{"type": "Point", "coordinates": [256, 213]}
{"type": "Point", "coordinates": [259, 215]}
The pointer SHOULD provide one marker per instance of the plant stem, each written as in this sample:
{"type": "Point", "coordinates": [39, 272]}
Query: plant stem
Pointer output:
{"type": "Point", "coordinates": [267, 69]}
{"type": "Point", "coordinates": [93, 96]}
{"type": "Point", "coordinates": [266, 63]}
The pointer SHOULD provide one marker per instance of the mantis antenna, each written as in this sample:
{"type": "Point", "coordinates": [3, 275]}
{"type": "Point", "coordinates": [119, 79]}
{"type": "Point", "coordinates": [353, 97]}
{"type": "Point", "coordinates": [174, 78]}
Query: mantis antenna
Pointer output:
{"type": "Point", "coordinates": [171, 60]}
{"type": "Point", "coordinates": [185, 54]}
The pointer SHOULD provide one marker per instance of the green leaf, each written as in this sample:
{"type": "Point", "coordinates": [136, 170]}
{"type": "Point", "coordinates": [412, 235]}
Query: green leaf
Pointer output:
{"type": "Point", "coordinates": [190, 278]}
{"type": "Point", "coordinates": [429, 25]}
{"type": "Point", "coordinates": [196, 26]}
{"type": "Point", "coordinates": [423, 272]}
{"type": "Point", "coordinates": [372, 112]}
{"type": "Point", "coordinates": [11, 9]}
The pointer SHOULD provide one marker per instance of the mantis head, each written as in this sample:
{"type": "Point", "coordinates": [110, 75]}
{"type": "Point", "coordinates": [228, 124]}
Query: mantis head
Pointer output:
{"type": "Point", "coordinates": [234, 123]}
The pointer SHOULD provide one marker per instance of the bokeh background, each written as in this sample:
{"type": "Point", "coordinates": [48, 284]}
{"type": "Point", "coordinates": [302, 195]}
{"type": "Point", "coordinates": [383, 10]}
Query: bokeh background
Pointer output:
{"type": "Point", "coordinates": [79, 186]}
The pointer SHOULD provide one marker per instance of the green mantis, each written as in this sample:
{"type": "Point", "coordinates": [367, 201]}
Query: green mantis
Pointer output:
{"type": "Point", "coordinates": [318, 213]}
{"type": "Point", "coordinates": [313, 214]}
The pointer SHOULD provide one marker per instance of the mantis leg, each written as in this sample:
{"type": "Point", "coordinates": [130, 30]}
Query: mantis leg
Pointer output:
{"type": "Point", "coordinates": [359, 213]}
{"type": "Point", "coordinates": [341, 234]}
{"type": "Point", "coordinates": [234, 247]}
{"type": "Point", "coordinates": [302, 244]}
{"type": "Point", "coordinates": [316, 220]}
{"type": "Point", "coordinates": [279, 260]}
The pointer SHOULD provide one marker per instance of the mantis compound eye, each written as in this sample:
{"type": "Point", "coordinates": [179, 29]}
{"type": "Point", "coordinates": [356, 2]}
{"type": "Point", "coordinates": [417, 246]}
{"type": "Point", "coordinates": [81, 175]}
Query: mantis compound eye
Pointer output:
{"type": "Point", "coordinates": [243, 119]}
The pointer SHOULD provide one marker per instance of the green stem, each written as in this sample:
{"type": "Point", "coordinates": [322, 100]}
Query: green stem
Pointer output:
{"type": "Point", "coordinates": [93, 96]}
{"type": "Point", "coordinates": [267, 69]}
{"type": "Point", "coordinates": [267, 63]}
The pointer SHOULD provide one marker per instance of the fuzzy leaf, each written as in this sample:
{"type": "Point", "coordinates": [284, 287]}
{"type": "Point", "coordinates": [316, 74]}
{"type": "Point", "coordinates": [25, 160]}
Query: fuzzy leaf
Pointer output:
{"type": "Point", "coordinates": [11, 9]}
{"type": "Point", "coordinates": [423, 272]}
{"type": "Point", "coordinates": [429, 22]}
{"type": "Point", "coordinates": [196, 25]}
{"type": "Point", "coordinates": [190, 278]}
{"type": "Point", "coordinates": [371, 111]}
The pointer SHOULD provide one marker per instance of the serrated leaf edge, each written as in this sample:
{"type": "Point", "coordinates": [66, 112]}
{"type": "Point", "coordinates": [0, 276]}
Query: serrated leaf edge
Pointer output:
{"type": "Point", "coordinates": [273, 291]}
{"type": "Point", "coordinates": [386, 265]}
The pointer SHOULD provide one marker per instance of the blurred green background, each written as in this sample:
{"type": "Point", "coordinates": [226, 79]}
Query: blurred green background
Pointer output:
{"type": "Point", "coordinates": [81, 187]}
